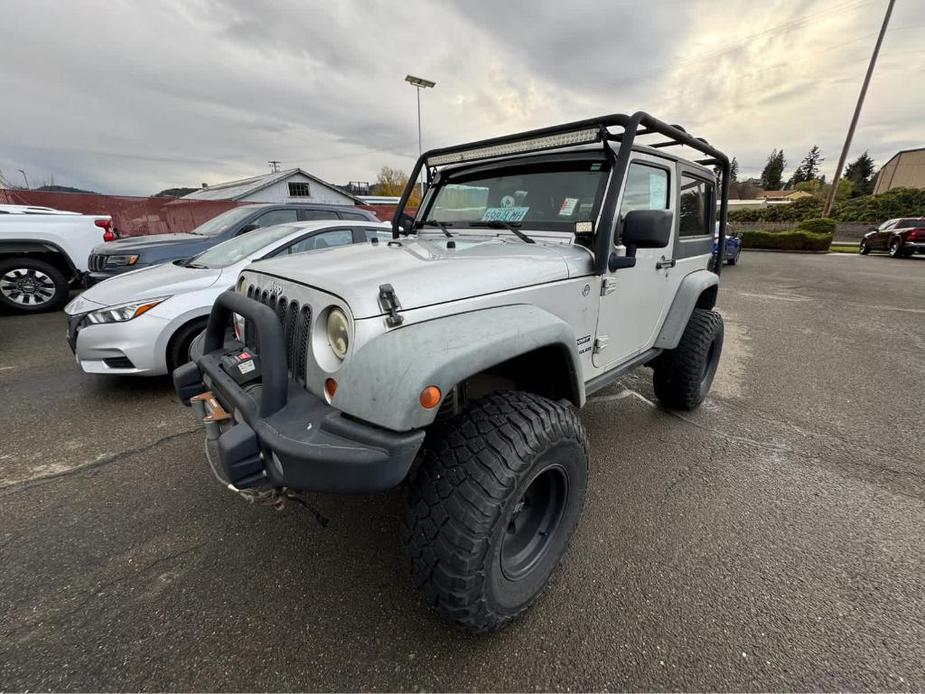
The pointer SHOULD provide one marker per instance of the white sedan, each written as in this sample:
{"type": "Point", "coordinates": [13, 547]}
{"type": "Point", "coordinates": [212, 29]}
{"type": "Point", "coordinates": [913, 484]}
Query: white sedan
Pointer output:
{"type": "Point", "coordinates": [143, 322]}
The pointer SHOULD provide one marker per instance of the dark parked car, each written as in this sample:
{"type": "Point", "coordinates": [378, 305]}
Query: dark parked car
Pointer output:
{"type": "Point", "coordinates": [123, 255]}
{"type": "Point", "coordinates": [899, 237]}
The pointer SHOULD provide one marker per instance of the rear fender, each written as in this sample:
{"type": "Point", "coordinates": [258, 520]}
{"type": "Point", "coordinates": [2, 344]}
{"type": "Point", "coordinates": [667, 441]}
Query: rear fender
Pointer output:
{"type": "Point", "coordinates": [697, 290]}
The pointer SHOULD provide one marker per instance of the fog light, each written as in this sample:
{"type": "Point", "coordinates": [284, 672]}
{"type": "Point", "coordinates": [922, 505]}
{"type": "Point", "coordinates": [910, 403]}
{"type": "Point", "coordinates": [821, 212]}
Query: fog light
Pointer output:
{"type": "Point", "coordinates": [430, 397]}
{"type": "Point", "coordinates": [330, 387]}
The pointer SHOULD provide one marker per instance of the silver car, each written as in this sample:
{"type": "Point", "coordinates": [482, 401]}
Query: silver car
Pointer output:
{"type": "Point", "coordinates": [143, 322]}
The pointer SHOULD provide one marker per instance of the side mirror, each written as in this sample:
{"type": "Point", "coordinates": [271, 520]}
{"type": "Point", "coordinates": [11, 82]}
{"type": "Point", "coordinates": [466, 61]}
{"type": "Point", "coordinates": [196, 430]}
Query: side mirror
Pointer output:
{"type": "Point", "coordinates": [641, 229]}
{"type": "Point", "coordinates": [249, 227]}
{"type": "Point", "coordinates": [406, 222]}
{"type": "Point", "coordinates": [646, 229]}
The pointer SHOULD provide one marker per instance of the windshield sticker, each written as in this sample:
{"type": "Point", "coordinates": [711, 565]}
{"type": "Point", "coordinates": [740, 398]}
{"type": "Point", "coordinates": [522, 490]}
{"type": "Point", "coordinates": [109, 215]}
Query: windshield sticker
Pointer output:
{"type": "Point", "coordinates": [658, 190]}
{"type": "Point", "coordinates": [508, 201]}
{"type": "Point", "coordinates": [567, 209]}
{"type": "Point", "coordinates": [505, 214]}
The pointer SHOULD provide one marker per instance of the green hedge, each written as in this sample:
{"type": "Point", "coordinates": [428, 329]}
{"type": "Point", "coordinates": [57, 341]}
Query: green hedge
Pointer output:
{"type": "Point", "coordinates": [796, 240]}
{"type": "Point", "coordinates": [867, 209]}
{"type": "Point", "coordinates": [798, 210]}
{"type": "Point", "coordinates": [876, 209]}
{"type": "Point", "coordinates": [818, 225]}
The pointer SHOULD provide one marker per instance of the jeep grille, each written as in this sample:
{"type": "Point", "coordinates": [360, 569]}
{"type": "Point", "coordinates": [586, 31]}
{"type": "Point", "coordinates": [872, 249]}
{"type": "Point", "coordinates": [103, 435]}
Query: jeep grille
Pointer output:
{"type": "Point", "coordinates": [296, 321]}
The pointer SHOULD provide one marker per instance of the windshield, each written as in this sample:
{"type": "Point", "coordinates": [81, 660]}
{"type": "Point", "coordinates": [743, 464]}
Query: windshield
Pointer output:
{"type": "Point", "coordinates": [241, 247]}
{"type": "Point", "coordinates": [551, 195]}
{"type": "Point", "coordinates": [217, 225]}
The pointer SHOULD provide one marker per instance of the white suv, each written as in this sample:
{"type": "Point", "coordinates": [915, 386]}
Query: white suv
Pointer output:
{"type": "Point", "coordinates": [539, 268]}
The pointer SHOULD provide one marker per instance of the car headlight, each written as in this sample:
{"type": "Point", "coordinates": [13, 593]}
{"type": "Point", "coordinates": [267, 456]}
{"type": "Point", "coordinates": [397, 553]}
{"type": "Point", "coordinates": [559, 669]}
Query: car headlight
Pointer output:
{"type": "Point", "coordinates": [121, 259]}
{"type": "Point", "coordinates": [123, 312]}
{"type": "Point", "coordinates": [337, 331]}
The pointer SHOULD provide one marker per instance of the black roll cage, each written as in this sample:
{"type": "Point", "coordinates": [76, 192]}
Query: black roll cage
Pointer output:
{"type": "Point", "coordinates": [633, 126]}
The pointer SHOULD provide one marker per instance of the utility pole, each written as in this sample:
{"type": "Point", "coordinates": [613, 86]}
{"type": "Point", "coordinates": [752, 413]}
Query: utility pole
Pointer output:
{"type": "Point", "coordinates": [857, 112]}
{"type": "Point", "coordinates": [274, 165]}
{"type": "Point", "coordinates": [25, 178]}
{"type": "Point", "coordinates": [419, 83]}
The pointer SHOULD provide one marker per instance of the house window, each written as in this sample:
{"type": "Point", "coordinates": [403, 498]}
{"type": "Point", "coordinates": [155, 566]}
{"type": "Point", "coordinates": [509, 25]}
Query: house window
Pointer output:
{"type": "Point", "coordinates": [299, 189]}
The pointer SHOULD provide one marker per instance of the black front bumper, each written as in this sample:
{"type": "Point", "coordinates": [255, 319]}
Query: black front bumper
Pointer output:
{"type": "Point", "coordinates": [283, 435]}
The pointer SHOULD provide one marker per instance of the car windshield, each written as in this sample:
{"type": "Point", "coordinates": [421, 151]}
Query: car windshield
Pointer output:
{"type": "Point", "coordinates": [241, 247]}
{"type": "Point", "coordinates": [551, 195]}
{"type": "Point", "coordinates": [217, 225]}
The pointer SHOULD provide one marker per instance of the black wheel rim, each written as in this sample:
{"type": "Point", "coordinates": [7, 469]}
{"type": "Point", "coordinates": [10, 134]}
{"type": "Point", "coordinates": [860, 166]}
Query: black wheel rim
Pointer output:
{"type": "Point", "coordinates": [533, 523]}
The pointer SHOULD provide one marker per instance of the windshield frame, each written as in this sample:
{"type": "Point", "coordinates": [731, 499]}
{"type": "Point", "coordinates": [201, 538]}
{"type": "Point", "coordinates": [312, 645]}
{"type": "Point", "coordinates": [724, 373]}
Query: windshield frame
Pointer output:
{"type": "Point", "coordinates": [522, 165]}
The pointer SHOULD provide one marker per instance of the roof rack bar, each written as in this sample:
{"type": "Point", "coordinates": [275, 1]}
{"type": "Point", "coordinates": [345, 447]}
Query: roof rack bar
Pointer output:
{"type": "Point", "coordinates": [639, 123]}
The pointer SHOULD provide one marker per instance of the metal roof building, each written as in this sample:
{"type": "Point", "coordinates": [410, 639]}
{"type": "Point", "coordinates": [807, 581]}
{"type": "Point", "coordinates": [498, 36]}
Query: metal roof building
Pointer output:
{"type": "Point", "coordinates": [292, 185]}
{"type": "Point", "coordinates": [905, 169]}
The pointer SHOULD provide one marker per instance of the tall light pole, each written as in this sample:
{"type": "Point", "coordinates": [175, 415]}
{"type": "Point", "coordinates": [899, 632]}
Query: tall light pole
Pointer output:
{"type": "Point", "coordinates": [419, 83]}
{"type": "Point", "coordinates": [857, 112]}
{"type": "Point", "coordinates": [24, 178]}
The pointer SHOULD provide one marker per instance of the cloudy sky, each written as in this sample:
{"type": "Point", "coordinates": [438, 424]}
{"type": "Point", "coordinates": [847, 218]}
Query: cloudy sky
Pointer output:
{"type": "Point", "coordinates": [129, 97]}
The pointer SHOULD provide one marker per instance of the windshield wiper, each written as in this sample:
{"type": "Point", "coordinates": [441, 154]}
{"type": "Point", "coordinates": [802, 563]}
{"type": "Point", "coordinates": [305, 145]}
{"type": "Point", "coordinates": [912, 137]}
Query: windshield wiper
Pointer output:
{"type": "Point", "coordinates": [513, 227]}
{"type": "Point", "coordinates": [443, 226]}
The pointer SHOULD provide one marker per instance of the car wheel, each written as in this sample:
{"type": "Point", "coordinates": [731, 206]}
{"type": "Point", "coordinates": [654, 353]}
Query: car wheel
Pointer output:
{"type": "Point", "coordinates": [896, 248]}
{"type": "Point", "coordinates": [683, 375]}
{"type": "Point", "coordinates": [178, 349]}
{"type": "Point", "coordinates": [493, 505]}
{"type": "Point", "coordinates": [29, 285]}
{"type": "Point", "coordinates": [863, 248]}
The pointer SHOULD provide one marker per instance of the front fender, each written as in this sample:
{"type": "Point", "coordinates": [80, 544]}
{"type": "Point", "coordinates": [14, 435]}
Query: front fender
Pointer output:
{"type": "Point", "coordinates": [382, 381]}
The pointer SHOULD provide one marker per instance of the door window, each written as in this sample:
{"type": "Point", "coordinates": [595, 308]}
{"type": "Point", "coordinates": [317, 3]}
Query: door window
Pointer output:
{"type": "Point", "coordinates": [274, 217]}
{"type": "Point", "coordinates": [326, 239]}
{"type": "Point", "coordinates": [646, 189]}
{"type": "Point", "coordinates": [696, 199]}
{"type": "Point", "coordinates": [312, 215]}
{"type": "Point", "coordinates": [355, 216]}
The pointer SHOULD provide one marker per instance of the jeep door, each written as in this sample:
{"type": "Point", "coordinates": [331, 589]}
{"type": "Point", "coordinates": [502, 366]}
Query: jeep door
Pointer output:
{"type": "Point", "coordinates": [634, 300]}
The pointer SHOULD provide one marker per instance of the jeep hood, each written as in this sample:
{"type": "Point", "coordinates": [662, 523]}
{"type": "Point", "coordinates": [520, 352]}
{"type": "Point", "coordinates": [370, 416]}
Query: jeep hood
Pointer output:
{"type": "Point", "coordinates": [423, 271]}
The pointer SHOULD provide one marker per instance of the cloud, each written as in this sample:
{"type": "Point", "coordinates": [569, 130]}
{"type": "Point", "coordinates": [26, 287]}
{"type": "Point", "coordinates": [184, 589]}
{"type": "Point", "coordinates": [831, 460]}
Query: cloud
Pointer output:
{"type": "Point", "coordinates": [126, 97]}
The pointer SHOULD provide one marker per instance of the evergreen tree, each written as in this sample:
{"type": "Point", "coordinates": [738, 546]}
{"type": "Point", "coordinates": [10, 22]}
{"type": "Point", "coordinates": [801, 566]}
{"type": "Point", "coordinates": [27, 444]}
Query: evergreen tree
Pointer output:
{"type": "Point", "coordinates": [771, 176]}
{"type": "Point", "coordinates": [808, 170]}
{"type": "Point", "coordinates": [734, 170]}
{"type": "Point", "coordinates": [861, 174]}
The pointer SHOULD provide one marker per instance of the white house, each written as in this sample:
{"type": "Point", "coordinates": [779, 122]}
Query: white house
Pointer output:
{"type": "Point", "coordinates": [292, 185]}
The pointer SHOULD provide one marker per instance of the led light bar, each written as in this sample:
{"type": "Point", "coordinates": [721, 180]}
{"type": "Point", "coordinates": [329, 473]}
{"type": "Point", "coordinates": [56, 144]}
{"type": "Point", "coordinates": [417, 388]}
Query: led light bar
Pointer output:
{"type": "Point", "coordinates": [576, 137]}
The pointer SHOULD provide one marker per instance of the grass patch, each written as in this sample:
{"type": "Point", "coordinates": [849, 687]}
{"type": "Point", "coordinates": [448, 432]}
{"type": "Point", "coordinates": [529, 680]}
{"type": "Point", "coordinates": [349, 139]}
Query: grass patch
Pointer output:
{"type": "Point", "coordinates": [843, 248]}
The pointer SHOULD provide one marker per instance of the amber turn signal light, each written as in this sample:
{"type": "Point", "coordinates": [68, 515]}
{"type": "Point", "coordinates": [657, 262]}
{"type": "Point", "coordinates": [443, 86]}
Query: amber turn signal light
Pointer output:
{"type": "Point", "coordinates": [430, 397]}
{"type": "Point", "coordinates": [330, 387]}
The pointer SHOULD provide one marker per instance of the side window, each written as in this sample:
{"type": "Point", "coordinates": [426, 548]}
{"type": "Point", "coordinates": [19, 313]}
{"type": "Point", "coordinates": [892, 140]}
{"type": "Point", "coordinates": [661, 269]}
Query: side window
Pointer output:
{"type": "Point", "coordinates": [311, 215]}
{"type": "Point", "coordinates": [646, 189]}
{"type": "Point", "coordinates": [272, 217]}
{"type": "Point", "coordinates": [354, 215]}
{"type": "Point", "coordinates": [696, 198]}
{"type": "Point", "coordinates": [326, 239]}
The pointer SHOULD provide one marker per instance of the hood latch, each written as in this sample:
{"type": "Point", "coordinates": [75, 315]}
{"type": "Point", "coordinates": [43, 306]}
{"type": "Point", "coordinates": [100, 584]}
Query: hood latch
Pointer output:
{"type": "Point", "coordinates": [390, 304]}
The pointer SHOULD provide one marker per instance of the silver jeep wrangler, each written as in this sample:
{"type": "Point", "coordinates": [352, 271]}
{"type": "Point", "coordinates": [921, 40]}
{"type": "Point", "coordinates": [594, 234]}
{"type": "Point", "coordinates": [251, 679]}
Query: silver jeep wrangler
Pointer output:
{"type": "Point", "coordinates": [454, 356]}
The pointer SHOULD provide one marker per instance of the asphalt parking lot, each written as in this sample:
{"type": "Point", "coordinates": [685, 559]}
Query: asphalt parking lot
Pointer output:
{"type": "Point", "coordinates": [772, 540]}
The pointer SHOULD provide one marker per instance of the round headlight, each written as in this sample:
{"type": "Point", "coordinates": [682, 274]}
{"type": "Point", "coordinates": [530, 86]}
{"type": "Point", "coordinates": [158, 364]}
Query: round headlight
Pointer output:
{"type": "Point", "coordinates": [337, 332]}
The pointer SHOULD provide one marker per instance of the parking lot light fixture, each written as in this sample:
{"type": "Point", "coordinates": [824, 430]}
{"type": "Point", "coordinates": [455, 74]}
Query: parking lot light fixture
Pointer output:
{"type": "Point", "coordinates": [419, 83]}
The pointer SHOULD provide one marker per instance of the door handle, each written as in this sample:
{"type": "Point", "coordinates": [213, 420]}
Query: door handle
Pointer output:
{"type": "Point", "coordinates": [663, 263]}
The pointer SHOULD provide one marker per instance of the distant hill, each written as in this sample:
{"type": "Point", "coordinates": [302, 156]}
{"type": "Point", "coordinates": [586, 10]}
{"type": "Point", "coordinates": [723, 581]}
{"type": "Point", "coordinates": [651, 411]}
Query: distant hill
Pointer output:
{"type": "Point", "coordinates": [174, 192]}
{"type": "Point", "coordinates": [63, 189]}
